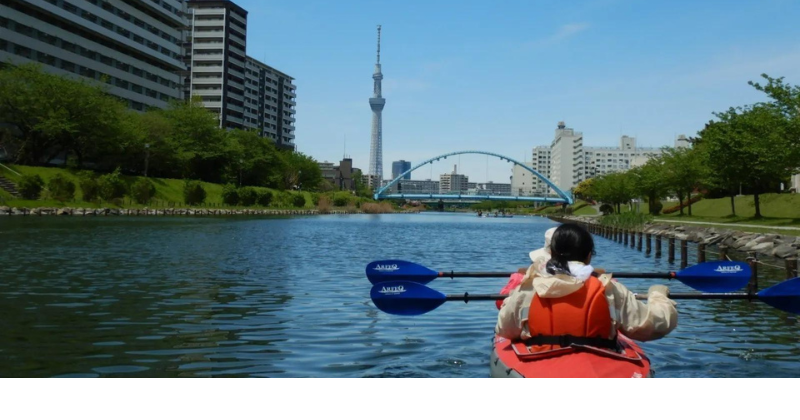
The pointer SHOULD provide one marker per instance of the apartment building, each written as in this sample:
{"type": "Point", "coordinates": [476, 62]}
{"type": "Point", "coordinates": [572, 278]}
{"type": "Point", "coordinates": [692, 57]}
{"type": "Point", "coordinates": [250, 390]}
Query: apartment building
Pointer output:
{"type": "Point", "coordinates": [522, 181]}
{"type": "Point", "coordinates": [566, 158]}
{"type": "Point", "coordinates": [602, 160]}
{"type": "Point", "coordinates": [244, 92]}
{"type": "Point", "coordinates": [134, 46]}
{"type": "Point", "coordinates": [453, 182]}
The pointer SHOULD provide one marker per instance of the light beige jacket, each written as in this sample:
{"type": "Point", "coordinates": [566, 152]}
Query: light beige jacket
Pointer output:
{"type": "Point", "coordinates": [635, 319]}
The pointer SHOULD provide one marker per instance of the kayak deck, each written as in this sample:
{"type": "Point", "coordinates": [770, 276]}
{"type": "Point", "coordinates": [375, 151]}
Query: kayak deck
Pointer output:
{"type": "Point", "coordinates": [583, 363]}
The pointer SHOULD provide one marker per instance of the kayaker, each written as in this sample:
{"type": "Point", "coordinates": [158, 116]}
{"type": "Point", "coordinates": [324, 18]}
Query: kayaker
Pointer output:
{"type": "Point", "coordinates": [539, 258]}
{"type": "Point", "coordinates": [567, 303]}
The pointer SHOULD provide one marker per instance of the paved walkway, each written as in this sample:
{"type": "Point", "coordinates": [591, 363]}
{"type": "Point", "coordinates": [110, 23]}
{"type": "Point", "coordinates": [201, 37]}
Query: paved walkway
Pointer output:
{"type": "Point", "coordinates": [727, 224]}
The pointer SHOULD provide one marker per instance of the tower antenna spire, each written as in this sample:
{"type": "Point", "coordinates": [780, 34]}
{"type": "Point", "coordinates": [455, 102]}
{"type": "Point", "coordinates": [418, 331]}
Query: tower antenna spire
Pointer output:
{"type": "Point", "coordinates": [379, 44]}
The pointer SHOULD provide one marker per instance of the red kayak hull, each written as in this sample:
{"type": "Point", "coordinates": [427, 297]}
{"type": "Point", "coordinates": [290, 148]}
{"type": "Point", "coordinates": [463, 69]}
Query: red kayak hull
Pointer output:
{"type": "Point", "coordinates": [506, 362]}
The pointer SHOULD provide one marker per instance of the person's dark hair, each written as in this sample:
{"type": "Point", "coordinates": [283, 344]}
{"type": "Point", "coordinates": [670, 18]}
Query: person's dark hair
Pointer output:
{"type": "Point", "coordinates": [570, 243]}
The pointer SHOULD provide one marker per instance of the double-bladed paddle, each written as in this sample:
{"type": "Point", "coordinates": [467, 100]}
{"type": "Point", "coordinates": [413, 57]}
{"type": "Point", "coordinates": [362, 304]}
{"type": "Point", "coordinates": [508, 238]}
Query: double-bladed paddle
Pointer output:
{"type": "Point", "coordinates": [410, 298]}
{"type": "Point", "coordinates": [710, 277]}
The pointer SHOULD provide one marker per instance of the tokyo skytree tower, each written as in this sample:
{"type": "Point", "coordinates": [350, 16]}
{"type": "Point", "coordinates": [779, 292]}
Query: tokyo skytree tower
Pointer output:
{"type": "Point", "coordinates": [376, 102]}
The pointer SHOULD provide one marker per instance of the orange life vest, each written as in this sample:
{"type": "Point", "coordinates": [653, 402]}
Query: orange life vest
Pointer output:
{"type": "Point", "coordinates": [580, 318]}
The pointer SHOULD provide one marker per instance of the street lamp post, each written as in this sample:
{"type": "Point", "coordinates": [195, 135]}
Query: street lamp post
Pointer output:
{"type": "Point", "coordinates": [241, 161]}
{"type": "Point", "coordinates": [146, 158]}
{"type": "Point", "coordinates": [299, 184]}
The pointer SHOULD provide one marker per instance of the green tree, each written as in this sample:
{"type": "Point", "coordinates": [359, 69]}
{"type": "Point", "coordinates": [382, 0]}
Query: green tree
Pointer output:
{"type": "Point", "coordinates": [362, 189]}
{"type": "Point", "coordinates": [649, 182]}
{"type": "Point", "coordinates": [749, 146]}
{"type": "Point", "coordinates": [615, 188]}
{"type": "Point", "coordinates": [684, 172]}
{"type": "Point", "coordinates": [54, 115]}
{"type": "Point", "coordinates": [299, 170]}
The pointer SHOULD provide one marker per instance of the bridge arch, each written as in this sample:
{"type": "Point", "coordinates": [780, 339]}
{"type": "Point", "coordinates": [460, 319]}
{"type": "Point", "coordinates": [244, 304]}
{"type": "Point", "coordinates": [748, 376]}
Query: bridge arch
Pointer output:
{"type": "Point", "coordinates": [565, 198]}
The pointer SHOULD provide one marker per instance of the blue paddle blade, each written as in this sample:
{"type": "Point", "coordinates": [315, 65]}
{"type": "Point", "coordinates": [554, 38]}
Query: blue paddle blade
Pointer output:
{"type": "Point", "coordinates": [784, 296]}
{"type": "Point", "coordinates": [391, 270]}
{"type": "Point", "coordinates": [405, 298]}
{"type": "Point", "coordinates": [716, 276]}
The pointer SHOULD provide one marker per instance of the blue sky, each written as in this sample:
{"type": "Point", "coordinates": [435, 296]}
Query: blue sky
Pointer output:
{"type": "Point", "coordinates": [499, 76]}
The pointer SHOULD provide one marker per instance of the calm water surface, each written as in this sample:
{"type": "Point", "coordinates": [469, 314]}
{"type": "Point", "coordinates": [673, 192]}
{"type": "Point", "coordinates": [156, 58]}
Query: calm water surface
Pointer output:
{"type": "Point", "coordinates": [123, 297]}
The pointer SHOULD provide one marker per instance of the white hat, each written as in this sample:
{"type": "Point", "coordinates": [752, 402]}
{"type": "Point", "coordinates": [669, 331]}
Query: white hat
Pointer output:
{"type": "Point", "coordinates": [544, 251]}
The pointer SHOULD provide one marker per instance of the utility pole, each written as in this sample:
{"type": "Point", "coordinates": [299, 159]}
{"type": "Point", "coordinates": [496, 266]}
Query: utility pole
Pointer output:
{"type": "Point", "coordinates": [146, 158]}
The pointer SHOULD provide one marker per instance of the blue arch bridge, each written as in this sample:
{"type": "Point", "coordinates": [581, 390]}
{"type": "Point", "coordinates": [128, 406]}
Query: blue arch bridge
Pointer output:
{"type": "Point", "coordinates": [386, 192]}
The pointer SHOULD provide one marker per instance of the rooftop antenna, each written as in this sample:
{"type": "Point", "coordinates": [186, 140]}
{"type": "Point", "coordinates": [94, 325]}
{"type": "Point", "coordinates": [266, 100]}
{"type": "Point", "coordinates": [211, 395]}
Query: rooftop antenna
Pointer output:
{"type": "Point", "coordinates": [344, 155]}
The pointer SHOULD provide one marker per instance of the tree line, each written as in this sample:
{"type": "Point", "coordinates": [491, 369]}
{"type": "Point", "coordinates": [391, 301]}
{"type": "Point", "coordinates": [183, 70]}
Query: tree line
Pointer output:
{"type": "Point", "coordinates": [753, 149]}
{"type": "Point", "coordinates": [46, 117]}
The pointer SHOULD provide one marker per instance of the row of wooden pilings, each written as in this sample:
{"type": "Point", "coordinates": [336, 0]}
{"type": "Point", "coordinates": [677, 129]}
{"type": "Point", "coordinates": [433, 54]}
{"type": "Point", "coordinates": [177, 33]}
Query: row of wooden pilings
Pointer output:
{"type": "Point", "coordinates": [643, 241]}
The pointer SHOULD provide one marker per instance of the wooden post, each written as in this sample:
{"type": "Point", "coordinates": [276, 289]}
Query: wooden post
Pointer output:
{"type": "Point", "coordinates": [723, 252]}
{"type": "Point", "coordinates": [658, 246]}
{"type": "Point", "coordinates": [684, 253]}
{"type": "Point", "coordinates": [791, 268]}
{"type": "Point", "coordinates": [639, 242]}
{"type": "Point", "coordinates": [701, 252]}
{"type": "Point", "coordinates": [633, 239]}
{"type": "Point", "coordinates": [648, 249]}
{"type": "Point", "coordinates": [752, 287]}
{"type": "Point", "coordinates": [671, 250]}
{"type": "Point", "coordinates": [625, 237]}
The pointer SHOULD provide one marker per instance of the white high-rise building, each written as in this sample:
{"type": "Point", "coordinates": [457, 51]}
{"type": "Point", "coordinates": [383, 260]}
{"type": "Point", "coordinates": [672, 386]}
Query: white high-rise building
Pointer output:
{"type": "Point", "coordinates": [602, 160]}
{"type": "Point", "coordinates": [566, 158]}
{"type": "Point", "coordinates": [523, 181]}
{"type": "Point", "coordinates": [541, 163]}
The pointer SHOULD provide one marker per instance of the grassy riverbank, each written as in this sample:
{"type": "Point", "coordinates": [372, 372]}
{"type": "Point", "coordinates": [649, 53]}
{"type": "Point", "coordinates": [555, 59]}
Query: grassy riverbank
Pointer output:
{"type": "Point", "coordinates": [169, 192]}
{"type": "Point", "coordinates": [778, 210]}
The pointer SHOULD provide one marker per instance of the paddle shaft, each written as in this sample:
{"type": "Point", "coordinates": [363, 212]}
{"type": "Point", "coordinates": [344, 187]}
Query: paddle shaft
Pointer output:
{"type": "Point", "coordinates": [452, 274]}
{"type": "Point", "coordinates": [466, 297]}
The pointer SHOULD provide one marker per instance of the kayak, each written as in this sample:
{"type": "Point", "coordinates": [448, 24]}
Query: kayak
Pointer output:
{"type": "Point", "coordinates": [512, 360]}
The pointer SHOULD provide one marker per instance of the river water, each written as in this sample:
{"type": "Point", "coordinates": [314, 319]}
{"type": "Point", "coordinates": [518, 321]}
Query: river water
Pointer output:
{"type": "Point", "coordinates": [287, 297]}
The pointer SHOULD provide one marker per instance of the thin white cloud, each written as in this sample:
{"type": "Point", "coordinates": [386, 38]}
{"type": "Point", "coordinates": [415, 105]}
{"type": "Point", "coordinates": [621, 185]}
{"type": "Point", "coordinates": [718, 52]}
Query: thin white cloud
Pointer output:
{"type": "Point", "coordinates": [563, 33]}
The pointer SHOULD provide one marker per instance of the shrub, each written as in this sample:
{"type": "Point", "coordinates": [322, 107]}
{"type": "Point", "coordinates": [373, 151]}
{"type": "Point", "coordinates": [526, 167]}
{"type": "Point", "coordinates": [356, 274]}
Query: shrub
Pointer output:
{"type": "Point", "coordinates": [607, 209]}
{"type": "Point", "coordinates": [315, 198]}
{"type": "Point", "coordinates": [30, 186]}
{"type": "Point", "coordinates": [324, 204]}
{"type": "Point", "coordinates": [61, 188]}
{"type": "Point", "coordinates": [282, 199]}
{"type": "Point", "coordinates": [90, 188]}
{"type": "Point", "coordinates": [112, 186]}
{"type": "Point", "coordinates": [247, 196]}
{"type": "Point", "coordinates": [298, 200]}
{"type": "Point", "coordinates": [340, 200]}
{"type": "Point", "coordinates": [374, 208]}
{"type": "Point", "coordinates": [656, 207]}
{"type": "Point", "coordinates": [230, 195]}
{"type": "Point", "coordinates": [264, 198]}
{"type": "Point", "coordinates": [193, 193]}
{"type": "Point", "coordinates": [143, 190]}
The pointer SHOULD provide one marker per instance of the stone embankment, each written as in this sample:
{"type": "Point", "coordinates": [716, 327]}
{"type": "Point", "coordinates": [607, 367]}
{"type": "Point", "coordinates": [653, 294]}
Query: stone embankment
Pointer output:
{"type": "Point", "coordinates": [69, 211]}
{"type": "Point", "coordinates": [778, 246]}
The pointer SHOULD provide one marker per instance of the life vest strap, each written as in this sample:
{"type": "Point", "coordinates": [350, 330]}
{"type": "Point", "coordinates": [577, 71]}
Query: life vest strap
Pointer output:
{"type": "Point", "coordinates": [568, 340]}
